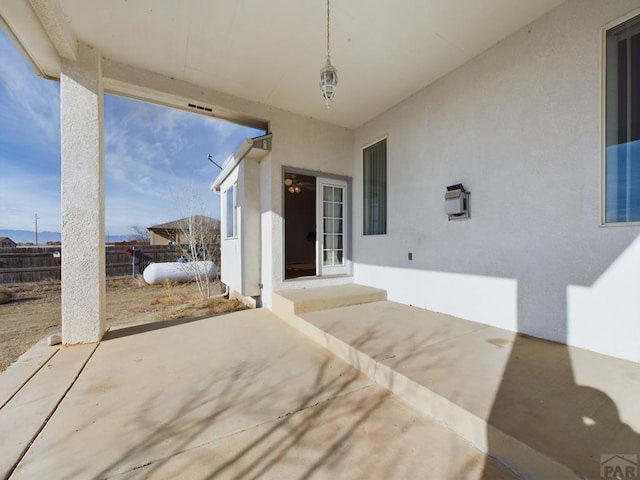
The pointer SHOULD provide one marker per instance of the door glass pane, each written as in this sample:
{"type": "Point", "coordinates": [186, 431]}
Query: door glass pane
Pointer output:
{"type": "Point", "coordinates": [328, 209]}
{"type": "Point", "coordinates": [330, 258]}
{"type": "Point", "coordinates": [337, 210]}
{"type": "Point", "coordinates": [328, 193]}
{"type": "Point", "coordinates": [329, 226]}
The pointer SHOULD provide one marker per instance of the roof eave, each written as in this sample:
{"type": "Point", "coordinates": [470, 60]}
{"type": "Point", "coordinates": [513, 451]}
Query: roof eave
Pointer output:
{"type": "Point", "coordinates": [262, 143]}
{"type": "Point", "coordinates": [23, 28]}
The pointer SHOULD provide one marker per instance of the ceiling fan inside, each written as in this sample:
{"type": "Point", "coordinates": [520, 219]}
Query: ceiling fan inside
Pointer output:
{"type": "Point", "coordinates": [296, 183]}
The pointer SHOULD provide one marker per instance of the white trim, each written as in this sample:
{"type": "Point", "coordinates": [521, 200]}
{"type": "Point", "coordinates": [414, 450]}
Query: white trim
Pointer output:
{"type": "Point", "coordinates": [621, 20]}
{"type": "Point", "coordinates": [620, 224]}
{"type": "Point", "coordinates": [384, 137]}
{"type": "Point", "coordinates": [603, 124]}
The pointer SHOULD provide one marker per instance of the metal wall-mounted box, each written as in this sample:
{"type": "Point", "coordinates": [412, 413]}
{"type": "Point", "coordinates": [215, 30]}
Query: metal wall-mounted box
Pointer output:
{"type": "Point", "coordinates": [456, 202]}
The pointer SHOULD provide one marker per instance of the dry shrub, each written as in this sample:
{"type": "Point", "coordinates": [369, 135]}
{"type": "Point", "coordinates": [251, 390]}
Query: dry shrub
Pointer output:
{"type": "Point", "coordinates": [177, 301]}
{"type": "Point", "coordinates": [167, 285]}
{"type": "Point", "coordinates": [175, 298]}
{"type": "Point", "coordinates": [221, 305]}
{"type": "Point", "coordinates": [117, 283]}
{"type": "Point", "coordinates": [140, 281]}
{"type": "Point", "coordinates": [171, 301]}
{"type": "Point", "coordinates": [5, 295]}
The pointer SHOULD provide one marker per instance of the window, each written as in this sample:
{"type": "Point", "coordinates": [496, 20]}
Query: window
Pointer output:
{"type": "Point", "coordinates": [374, 159]}
{"type": "Point", "coordinates": [622, 127]}
{"type": "Point", "coordinates": [231, 209]}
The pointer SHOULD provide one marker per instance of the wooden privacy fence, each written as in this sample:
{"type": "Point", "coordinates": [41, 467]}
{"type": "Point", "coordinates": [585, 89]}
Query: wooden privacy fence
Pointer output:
{"type": "Point", "coordinates": [33, 264]}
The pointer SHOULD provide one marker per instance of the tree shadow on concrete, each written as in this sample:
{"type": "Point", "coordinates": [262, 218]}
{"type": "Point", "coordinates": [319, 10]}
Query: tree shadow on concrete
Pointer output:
{"type": "Point", "coordinates": [321, 432]}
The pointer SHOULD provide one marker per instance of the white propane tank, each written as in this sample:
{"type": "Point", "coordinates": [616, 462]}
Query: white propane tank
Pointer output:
{"type": "Point", "coordinates": [178, 272]}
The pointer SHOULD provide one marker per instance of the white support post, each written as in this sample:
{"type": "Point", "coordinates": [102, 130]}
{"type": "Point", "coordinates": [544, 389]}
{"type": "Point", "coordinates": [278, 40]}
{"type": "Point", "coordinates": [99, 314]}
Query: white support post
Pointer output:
{"type": "Point", "coordinates": [82, 149]}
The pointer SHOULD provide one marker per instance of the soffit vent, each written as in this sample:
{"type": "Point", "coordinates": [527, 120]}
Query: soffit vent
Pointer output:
{"type": "Point", "coordinates": [200, 107]}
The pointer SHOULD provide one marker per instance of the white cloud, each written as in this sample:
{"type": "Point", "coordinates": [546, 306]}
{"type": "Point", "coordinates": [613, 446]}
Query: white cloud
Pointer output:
{"type": "Point", "coordinates": [158, 155]}
{"type": "Point", "coordinates": [30, 105]}
{"type": "Point", "coordinates": [153, 155]}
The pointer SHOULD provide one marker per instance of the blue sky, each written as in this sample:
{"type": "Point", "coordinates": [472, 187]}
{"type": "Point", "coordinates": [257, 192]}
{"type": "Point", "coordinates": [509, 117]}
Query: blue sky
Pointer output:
{"type": "Point", "coordinates": [155, 158]}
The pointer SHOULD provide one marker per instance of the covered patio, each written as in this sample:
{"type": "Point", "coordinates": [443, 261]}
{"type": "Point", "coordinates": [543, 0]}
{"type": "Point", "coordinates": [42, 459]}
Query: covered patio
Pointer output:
{"type": "Point", "coordinates": [207, 58]}
{"type": "Point", "coordinates": [331, 379]}
{"type": "Point", "coordinates": [235, 396]}
{"type": "Point", "coordinates": [339, 384]}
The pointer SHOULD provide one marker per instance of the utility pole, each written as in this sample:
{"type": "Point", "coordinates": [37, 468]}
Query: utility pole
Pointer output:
{"type": "Point", "coordinates": [36, 222]}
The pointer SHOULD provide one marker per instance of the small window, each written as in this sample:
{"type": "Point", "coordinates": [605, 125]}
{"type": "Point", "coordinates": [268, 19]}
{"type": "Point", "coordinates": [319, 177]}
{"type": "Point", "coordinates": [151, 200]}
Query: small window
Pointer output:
{"type": "Point", "coordinates": [374, 159]}
{"type": "Point", "coordinates": [622, 128]}
{"type": "Point", "coordinates": [231, 201]}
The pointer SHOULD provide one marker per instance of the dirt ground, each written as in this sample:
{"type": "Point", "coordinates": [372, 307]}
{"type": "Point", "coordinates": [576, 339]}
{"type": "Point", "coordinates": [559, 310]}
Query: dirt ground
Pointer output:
{"type": "Point", "coordinates": [34, 309]}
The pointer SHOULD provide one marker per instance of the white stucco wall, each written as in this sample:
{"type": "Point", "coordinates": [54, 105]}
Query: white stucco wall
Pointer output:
{"type": "Point", "coordinates": [520, 127]}
{"type": "Point", "coordinates": [249, 218]}
{"type": "Point", "coordinates": [300, 143]}
{"type": "Point", "coordinates": [240, 255]}
{"type": "Point", "coordinates": [230, 248]}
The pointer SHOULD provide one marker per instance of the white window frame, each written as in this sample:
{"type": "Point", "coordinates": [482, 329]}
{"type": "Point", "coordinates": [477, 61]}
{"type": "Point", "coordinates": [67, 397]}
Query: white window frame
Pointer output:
{"type": "Point", "coordinates": [603, 121]}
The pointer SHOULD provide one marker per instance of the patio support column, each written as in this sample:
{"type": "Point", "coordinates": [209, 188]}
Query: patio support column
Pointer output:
{"type": "Point", "coordinates": [82, 149]}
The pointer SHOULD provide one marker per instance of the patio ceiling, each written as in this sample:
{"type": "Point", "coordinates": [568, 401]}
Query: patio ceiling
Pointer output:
{"type": "Point", "coordinates": [271, 52]}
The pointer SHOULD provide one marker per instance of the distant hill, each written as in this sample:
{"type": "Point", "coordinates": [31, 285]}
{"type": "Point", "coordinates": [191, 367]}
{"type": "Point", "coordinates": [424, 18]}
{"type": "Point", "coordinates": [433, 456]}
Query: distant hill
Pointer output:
{"type": "Point", "coordinates": [25, 236]}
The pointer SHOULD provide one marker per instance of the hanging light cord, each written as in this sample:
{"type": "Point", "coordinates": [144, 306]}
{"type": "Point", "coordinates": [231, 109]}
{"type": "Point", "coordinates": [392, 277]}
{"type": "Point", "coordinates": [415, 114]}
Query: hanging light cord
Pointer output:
{"type": "Point", "coordinates": [328, 46]}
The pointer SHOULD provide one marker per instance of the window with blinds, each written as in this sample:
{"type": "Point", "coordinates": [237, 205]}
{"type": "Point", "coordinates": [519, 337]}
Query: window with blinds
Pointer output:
{"type": "Point", "coordinates": [375, 189]}
{"type": "Point", "coordinates": [622, 123]}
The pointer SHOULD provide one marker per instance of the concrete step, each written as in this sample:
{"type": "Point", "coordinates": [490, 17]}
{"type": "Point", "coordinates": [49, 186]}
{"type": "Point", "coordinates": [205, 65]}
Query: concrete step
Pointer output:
{"type": "Point", "coordinates": [512, 397]}
{"type": "Point", "coordinates": [305, 300]}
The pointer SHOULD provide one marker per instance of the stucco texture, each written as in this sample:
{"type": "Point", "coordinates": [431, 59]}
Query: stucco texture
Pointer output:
{"type": "Point", "coordinates": [520, 127]}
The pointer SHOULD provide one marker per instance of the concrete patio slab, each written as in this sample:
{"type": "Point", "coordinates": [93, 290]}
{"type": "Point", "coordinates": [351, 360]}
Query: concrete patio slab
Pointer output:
{"type": "Point", "coordinates": [364, 435]}
{"type": "Point", "coordinates": [545, 408]}
{"type": "Point", "coordinates": [237, 396]}
{"type": "Point", "coordinates": [428, 347]}
{"type": "Point", "coordinates": [25, 414]}
{"type": "Point", "coordinates": [20, 371]}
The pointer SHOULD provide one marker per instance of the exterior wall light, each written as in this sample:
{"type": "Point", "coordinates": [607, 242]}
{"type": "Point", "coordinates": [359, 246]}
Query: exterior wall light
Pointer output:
{"type": "Point", "coordinates": [456, 202]}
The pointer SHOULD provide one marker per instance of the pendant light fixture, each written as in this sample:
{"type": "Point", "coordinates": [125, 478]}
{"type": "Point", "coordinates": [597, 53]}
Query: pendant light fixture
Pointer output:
{"type": "Point", "coordinates": [328, 74]}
